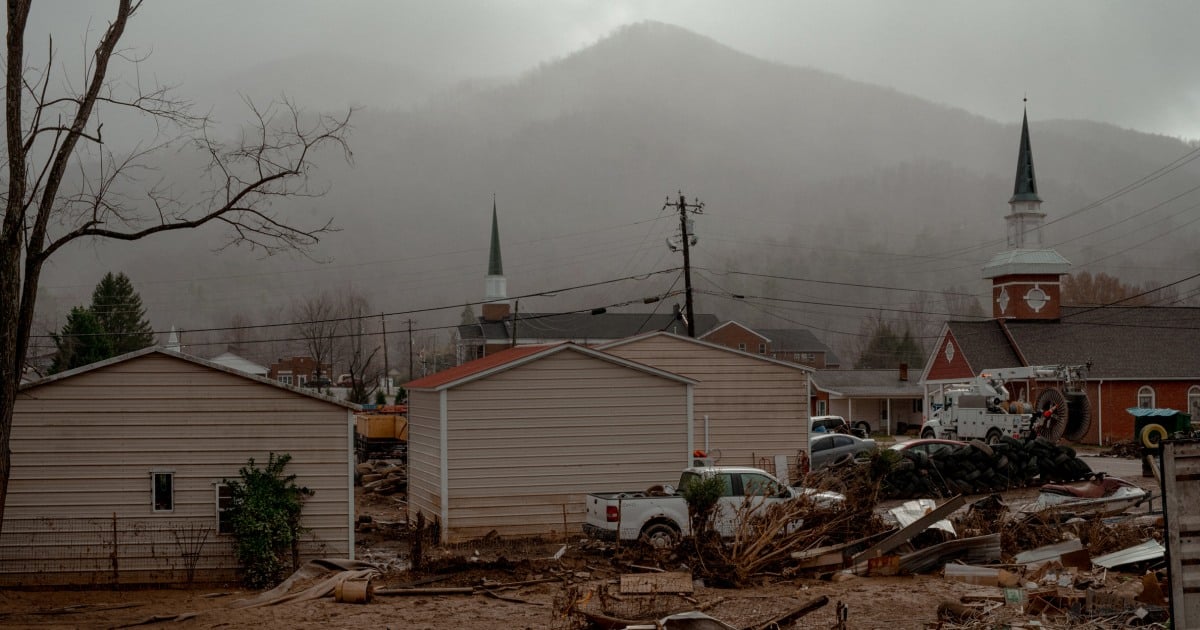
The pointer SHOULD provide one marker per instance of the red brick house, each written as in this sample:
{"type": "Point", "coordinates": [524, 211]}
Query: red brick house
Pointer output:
{"type": "Point", "coordinates": [795, 345]}
{"type": "Point", "coordinates": [1138, 356]}
{"type": "Point", "coordinates": [298, 371]}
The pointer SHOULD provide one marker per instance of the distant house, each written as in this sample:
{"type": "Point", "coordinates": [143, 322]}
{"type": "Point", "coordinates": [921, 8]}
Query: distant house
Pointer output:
{"type": "Point", "coordinates": [513, 442]}
{"type": "Point", "coordinates": [797, 345]}
{"type": "Point", "coordinates": [491, 336]}
{"type": "Point", "coordinates": [298, 371]}
{"type": "Point", "coordinates": [878, 401]}
{"type": "Point", "coordinates": [118, 469]}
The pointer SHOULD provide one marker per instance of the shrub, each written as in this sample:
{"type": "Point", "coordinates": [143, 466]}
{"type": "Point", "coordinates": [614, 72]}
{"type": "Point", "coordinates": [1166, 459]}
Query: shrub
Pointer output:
{"type": "Point", "coordinates": [702, 496]}
{"type": "Point", "coordinates": [265, 515]}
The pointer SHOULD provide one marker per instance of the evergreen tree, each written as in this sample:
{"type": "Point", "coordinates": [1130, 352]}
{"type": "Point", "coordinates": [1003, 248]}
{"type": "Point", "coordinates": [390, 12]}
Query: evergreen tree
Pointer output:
{"type": "Point", "coordinates": [887, 349]}
{"type": "Point", "coordinates": [121, 314]}
{"type": "Point", "coordinates": [467, 316]}
{"type": "Point", "coordinates": [81, 342]}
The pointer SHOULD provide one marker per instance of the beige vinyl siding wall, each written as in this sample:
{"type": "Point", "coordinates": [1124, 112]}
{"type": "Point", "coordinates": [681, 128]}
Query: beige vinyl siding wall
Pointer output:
{"type": "Point", "coordinates": [527, 445]}
{"type": "Point", "coordinates": [756, 409]}
{"type": "Point", "coordinates": [85, 447]}
{"type": "Point", "coordinates": [424, 455]}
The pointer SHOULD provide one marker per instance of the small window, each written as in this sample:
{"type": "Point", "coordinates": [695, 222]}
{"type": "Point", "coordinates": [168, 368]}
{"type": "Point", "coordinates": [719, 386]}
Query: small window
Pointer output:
{"type": "Point", "coordinates": [224, 502]}
{"type": "Point", "coordinates": [742, 347]}
{"type": "Point", "coordinates": [795, 356]}
{"type": "Point", "coordinates": [162, 487]}
{"type": "Point", "coordinates": [1146, 397]}
{"type": "Point", "coordinates": [286, 379]}
{"type": "Point", "coordinates": [1194, 401]}
{"type": "Point", "coordinates": [808, 356]}
{"type": "Point", "coordinates": [918, 405]}
{"type": "Point", "coordinates": [822, 407]}
{"type": "Point", "coordinates": [762, 348]}
{"type": "Point", "coordinates": [301, 379]}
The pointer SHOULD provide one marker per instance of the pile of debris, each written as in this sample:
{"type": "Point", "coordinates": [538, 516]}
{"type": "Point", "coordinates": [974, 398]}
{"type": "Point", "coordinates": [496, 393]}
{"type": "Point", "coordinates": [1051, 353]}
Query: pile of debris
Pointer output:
{"type": "Point", "coordinates": [979, 468]}
{"type": "Point", "coordinates": [382, 477]}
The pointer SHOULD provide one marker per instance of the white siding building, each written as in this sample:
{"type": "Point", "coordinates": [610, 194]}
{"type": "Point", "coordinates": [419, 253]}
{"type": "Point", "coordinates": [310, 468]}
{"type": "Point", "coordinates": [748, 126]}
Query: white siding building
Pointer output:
{"type": "Point", "coordinates": [513, 442]}
{"type": "Point", "coordinates": [118, 469]}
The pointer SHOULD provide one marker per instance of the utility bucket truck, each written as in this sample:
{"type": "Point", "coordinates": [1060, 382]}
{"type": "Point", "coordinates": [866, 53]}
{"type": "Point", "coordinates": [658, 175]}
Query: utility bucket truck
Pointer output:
{"type": "Point", "coordinates": [984, 409]}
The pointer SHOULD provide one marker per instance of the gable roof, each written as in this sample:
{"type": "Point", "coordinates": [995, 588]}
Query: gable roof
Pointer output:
{"type": "Point", "coordinates": [54, 378]}
{"type": "Point", "coordinates": [707, 344]}
{"type": "Point", "coordinates": [521, 355]}
{"type": "Point", "coordinates": [739, 325]}
{"type": "Point", "coordinates": [242, 364]}
{"type": "Point", "coordinates": [984, 345]}
{"type": "Point", "coordinates": [1137, 342]}
{"type": "Point", "coordinates": [866, 383]}
{"type": "Point", "coordinates": [581, 327]}
{"type": "Point", "coordinates": [799, 340]}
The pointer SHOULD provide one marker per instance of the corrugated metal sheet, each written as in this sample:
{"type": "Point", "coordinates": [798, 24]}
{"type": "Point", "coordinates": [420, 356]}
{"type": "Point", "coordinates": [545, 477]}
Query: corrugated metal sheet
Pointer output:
{"type": "Point", "coordinates": [1149, 550]}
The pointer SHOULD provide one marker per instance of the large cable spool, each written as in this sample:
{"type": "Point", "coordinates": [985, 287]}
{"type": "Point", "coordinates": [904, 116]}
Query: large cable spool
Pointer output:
{"type": "Point", "coordinates": [1079, 416]}
{"type": "Point", "coordinates": [1053, 426]}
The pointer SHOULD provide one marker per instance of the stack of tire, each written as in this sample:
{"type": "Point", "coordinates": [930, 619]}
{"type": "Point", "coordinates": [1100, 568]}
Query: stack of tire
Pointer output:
{"type": "Point", "coordinates": [977, 468]}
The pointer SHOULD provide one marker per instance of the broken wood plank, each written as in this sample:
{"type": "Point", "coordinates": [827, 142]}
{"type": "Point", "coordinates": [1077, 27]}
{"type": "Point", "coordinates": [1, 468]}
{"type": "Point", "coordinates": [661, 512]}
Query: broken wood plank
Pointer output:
{"type": "Point", "coordinates": [505, 598]}
{"type": "Point", "coordinates": [788, 617]}
{"type": "Point", "coordinates": [450, 590]}
{"type": "Point", "coordinates": [904, 534]}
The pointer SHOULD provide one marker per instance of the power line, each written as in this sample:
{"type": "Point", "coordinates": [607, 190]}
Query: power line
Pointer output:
{"type": "Point", "coordinates": [642, 276]}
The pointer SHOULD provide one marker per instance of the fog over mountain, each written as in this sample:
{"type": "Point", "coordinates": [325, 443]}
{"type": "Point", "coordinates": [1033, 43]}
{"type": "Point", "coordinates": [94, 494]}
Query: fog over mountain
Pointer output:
{"type": "Point", "coordinates": [804, 174]}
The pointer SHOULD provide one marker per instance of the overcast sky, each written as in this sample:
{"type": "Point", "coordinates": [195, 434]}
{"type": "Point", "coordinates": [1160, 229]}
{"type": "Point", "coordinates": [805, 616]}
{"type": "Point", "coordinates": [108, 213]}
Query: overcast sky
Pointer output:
{"type": "Point", "coordinates": [1131, 63]}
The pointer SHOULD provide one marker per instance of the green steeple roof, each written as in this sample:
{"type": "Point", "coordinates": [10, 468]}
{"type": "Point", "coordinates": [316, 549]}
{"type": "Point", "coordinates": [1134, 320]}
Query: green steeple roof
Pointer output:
{"type": "Point", "coordinates": [1025, 186]}
{"type": "Point", "coordinates": [495, 265]}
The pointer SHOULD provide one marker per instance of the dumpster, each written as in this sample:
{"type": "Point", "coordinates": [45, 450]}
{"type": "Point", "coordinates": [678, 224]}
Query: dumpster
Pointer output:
{"type": "Point", "coordinates": [1153, 425]}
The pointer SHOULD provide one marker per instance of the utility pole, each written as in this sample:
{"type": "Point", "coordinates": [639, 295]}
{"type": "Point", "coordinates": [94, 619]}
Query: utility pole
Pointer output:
{"type": "Point", "coordinates": [688, 239]}
{"type": "Point", "coordinates": [410, 351]}
{"type": "Point", "coordinates": [387, 383]}
{"type": "Point", "coordinates": [516, 311]}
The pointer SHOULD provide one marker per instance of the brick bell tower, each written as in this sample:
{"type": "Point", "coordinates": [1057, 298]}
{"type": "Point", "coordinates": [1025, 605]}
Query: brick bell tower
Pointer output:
{"type": "Point", "coordinates": [1027, 277]}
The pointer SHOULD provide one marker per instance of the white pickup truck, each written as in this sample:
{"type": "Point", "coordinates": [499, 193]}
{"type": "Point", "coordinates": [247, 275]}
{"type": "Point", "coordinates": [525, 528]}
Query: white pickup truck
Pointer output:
{"type": "Point", "coordinates": [661, 518]}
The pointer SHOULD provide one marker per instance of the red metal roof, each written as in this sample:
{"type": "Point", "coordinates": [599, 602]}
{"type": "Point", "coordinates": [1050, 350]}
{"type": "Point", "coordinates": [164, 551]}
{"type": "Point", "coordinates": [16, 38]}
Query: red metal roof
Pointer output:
{"type": "Point", "coordinates": [469, 368]}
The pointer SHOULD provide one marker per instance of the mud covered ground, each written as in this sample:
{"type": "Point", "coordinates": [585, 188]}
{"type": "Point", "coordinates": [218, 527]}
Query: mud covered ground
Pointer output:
{"type": "Point", "coordinates": [893, 603]}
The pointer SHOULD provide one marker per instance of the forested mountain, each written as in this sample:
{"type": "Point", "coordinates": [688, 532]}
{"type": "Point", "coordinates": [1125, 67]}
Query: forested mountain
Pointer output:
{"type": "Point", "coordinates": [804, 174]}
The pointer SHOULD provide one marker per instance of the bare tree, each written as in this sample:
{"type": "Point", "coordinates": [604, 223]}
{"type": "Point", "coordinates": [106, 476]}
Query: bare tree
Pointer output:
{"type": "Point", "coordinates": [51, 129]}
{"type": "Point", "coordinates": [359, 350]}
{"type": "Point", "coordinates": [320, 322]}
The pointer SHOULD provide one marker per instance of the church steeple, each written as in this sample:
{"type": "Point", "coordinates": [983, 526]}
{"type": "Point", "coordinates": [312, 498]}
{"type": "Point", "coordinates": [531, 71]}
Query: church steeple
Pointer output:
{"type": "Point", "coordinates": [1025, 185]}
{"type": "Point", "coordinates": [1026, 217]}
{"type": "Point", "coordinates": [1026, 278]}
{"type": "Point", "coordinates": [495, 264]}
{"type": "Point", "coordinates": [496, 306]}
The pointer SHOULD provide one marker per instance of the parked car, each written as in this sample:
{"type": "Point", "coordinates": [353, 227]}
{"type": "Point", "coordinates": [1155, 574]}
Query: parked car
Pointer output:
{"type": "Point", "coordinates": [835, 448]}
{"type": "Point", "coordinates": [928, 446]}
{"type": "Point", "coordinates": [833, 424]}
